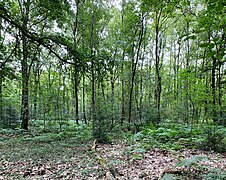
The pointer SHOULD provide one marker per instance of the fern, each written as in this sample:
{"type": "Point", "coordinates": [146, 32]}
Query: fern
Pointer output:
{"type": "Point", "coordinates": [214, 138]}
{"type": "Point", "coordinates": [213, 176]}
{"type": "Point", "coordinates": [192, 161]}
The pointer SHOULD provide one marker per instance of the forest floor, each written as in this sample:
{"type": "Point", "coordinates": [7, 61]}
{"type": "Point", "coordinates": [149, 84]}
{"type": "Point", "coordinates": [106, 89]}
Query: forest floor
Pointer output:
{"type": "Point", "coordinates": [46, 156]}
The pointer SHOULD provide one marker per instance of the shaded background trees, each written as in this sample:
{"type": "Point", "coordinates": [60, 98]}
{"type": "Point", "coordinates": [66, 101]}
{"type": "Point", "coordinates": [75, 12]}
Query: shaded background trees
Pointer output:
{"type": "Point", "coordinates": [110, 63]}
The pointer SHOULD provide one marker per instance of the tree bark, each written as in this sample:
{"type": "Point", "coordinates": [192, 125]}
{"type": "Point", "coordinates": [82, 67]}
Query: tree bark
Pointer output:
{"type": "Point", "coordinates": [76, 96]}
{"type": "Point", "coordinates": [122, 73]}
{"type": "Point", "coordinates": [122, 90]}
{"type": "Point", "coordinates": [157, 68]}
{"type": "Point", "coordinates": [186, 117]}
{"type": "Point", "coordinates": [83, 98]}
{"type": "Point", "coordinates": [134, 67]}
{"type": "Point", "coordinates": [213, 86]}
{"type": "Point", "coordinates": [1, 81]}
{"type": "Point", "coordinates": [93, 101]}
{"type": "Point", "coordinates": [25, 70]}
{"type": "Point", "coordinates": [76, 78]}
{"type": "Point", "coordinates": [1, 100]}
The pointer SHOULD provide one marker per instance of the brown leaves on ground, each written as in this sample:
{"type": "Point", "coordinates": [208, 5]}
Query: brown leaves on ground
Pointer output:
{"type": "Point", "coordinates": [122, 163]}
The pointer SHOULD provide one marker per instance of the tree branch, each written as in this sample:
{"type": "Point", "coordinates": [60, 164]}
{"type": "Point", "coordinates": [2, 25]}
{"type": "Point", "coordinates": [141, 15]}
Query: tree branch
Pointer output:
{"type": "Point", "coordinates": [42, 40]}
{"type": "Point", "coordinates": [10, 55]}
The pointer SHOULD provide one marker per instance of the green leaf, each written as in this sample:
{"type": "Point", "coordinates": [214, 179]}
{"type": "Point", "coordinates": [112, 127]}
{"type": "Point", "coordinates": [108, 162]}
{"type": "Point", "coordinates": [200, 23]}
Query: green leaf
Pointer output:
{"type": "Point", "coordinates": [210, 45]}
{"type": "Point", "coordinates": [192, 161]}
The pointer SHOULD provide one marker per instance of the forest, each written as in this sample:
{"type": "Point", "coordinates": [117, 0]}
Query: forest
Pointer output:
{"type": "Point", "coordinates": [112, 89]}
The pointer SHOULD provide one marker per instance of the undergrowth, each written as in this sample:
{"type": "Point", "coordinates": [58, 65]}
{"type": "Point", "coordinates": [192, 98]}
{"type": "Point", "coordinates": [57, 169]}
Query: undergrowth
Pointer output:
{"type": "Point", "coordinates": [192, 168]}
{"type": "Point", "coordinates": [176, 137]}
{"type": "Point", "coordinates": [179, 137]}
{"type": "Point", "coordinates": [42, 143]}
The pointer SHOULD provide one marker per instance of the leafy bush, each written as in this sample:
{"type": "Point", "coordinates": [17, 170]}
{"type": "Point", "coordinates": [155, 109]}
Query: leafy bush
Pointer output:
{"type": "Point", "coordinates": [192, 169]}
{"type": "Point", "coordinates": [192, 161]}
{"type": "Point", "coordinates": [214, 138]}
{"type": "Point", "coordinates": [169, 135]}
{"type": "Point", "coordinates": [10, 117]}
{"type": "Point", "coordinates": [101, 136]}
{"type": "Point", "coordinates": [177, 136]}
{"type": "Point", "coordinates": [215, 176]}
{"type": "Point", "coordinates": [135, 152]}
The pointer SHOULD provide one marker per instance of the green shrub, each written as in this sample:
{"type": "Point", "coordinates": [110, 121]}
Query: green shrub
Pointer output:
{"type": "Point", "coordinates": [192, 161]}
{"type": "Point", "coordinates": [10, 117]}
{"type": "Point", "coordinates": [214, 138]}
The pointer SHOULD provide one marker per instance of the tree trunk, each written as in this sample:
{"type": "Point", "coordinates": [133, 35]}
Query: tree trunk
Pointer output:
{"type": "Point", "coordinates": [141, 79]}
{"type": "Point", "coordinates": [1, 81]}
{"type": "Point", "coordinates": [93, 86]}
{"type": "Point", "coordinates": [113, 79]}
{"type": "Point", "coordinates": [157, 69]}
{"type": "Point", "coordinates": [122, 73]}
{"type": "Point", "coordinates": [25, 90]}
{"type": "Point", "coordinates": [186, 118]}
{"type": "Point", "coordinates": [83, 98]}
{"type": "Point", "coordinates": [141, 88]}
{"type": "Point", "coordinates": [134, 67]}
{"type": "Point", "coordinates": [36, 86]}
{"type": "Point", "coordinates": [76, 95]}
{"type": "Point", "coordinates": [219, 90]}
{"type": "Point", "coordinates": [1, 100]}
{"type": "Point", "coordinates": [25, 71]}
{"type": "Point", "coordinates": [76, 78]}
{"type": "Point", "coordinates": [213, 85]}
{"type": "Point", "coordinates": [112, 101]}
{"type": "Point", "coordinates": [122, 90]}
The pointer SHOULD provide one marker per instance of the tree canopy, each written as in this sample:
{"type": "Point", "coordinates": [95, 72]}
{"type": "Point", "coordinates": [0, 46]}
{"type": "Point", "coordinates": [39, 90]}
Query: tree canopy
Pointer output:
{"type": "Point", "coordinates": [112, 63]}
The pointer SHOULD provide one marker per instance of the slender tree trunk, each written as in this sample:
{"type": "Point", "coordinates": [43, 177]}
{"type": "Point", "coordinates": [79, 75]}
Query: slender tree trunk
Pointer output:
{"type": "Point", "coordinates": [113, 100]}
{"type": "Point", "coordinates": [122, 74]}
{"type": "Point", "coordinates": [94, 117]}
{"type": "Point", "coordinates": [149, 83]}
{"type": "Point", "coordinates": [83, 98]}
{"type": "Point", "coordinates": [186, 118]}
{"type": "Point", "coordinates": [122, 90]}
{"type": "Point", "coordinates": [1, 81]}
{"type": "Point", "coordinates": [157, 68]}
{"type": "Point", "coordinates": [1, 100]}
{"type": "Point", "coordinates": [206, 101]}
{"type": "Point", "coordinates": [36, 84]}
{"type": "Point", "coordinates": [141, 83]}
{"type": "Point", "coordinates": [219, 90]}
{"type": "Point", "coordinates": [134, 67]}
{"type": "Point", "coordinates": [76, 73]}
{"type": "Point", "coordinates": [213, 85]}
{"type": "Point", "coordinates": [177, 70]}
{"type": "Point", "coordinates": [64, 103]}
{"type": "Point", "coordinates": [25, 71]}
{"type": "Point", "coordinates": [113, 79]}
{"type": "Point", "coordinates": [25, 90]}
{"type": "Point", "coordinates": [76, 96]}
{"type": "Point", "coordinates": [141, 94]}
{"type": "Point", "coordinates": [131, 95]}
{"type": "Point", "coordinates": [93, 86]}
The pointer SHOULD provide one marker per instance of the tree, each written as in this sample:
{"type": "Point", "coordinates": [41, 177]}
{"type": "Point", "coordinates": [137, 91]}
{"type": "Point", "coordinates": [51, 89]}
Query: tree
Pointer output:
{"type": "Point", "coordinates": [212, 22]}
{"type": "Point", "coordinates": [143, 61]}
